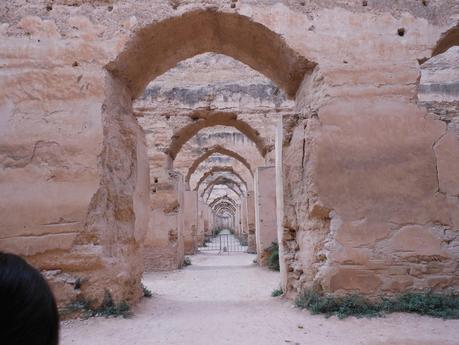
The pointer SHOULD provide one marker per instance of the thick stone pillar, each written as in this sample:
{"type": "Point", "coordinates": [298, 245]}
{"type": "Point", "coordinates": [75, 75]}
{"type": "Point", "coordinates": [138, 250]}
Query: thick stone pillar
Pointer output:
{"type": "Point", "coordinates": [252, 246]}
{"type": "Point", "coordinates": [243, 210]}
{"type": "Point", "coordinates": [237, 221]}
{"type": "Point", "coordinates": [163, 246]}
{"type": "Point", "coordinates": [201, 218]}
{"type": "Point", "coordinates": [265, 211]}
{"type": "Point", "coordinates": [204, 221]}
{"type": "Point", "coordinates": [280, 201]}
{"type": "Point", "coordinates": [190, 221]}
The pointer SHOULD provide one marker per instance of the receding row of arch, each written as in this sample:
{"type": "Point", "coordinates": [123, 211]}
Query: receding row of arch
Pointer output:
{"type": "Point", "coordinates": [217, 149]}
{"type": "Point", "coordinates": [230, 182]}
{"type": "Point", "coordinates": [160, 46]}
{"type": "Point", "coordinates": [219, 169]}
{"type": "Point", "coordinates": [205, 119]}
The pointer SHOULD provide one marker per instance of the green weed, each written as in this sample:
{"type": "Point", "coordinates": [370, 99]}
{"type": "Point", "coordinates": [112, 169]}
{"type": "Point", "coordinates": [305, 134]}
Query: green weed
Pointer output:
{"type": "Point", "coordinates": [277, 292]}
{"type": "Point", "coordinates": [436, 305]}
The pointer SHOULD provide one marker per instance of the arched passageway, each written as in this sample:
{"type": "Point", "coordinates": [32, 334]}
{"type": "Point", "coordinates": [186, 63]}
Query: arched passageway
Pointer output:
{"type": "Point", "coordinates": [219, 169]}
{"type": "Point", "coordinates": [230, 182]}
{"type": "Point", "coordinates": [155, 49]}
{"type": "Point", "coordinates": [206, 119]}
{"type": "Point", "coordinates": [158, 47]}
{"type": "Point", "coordinates": [148, 55]}
{"type": "Point", "coordinates": [214, 150]}
{"type": "Point", "coordinates": [366, 176]}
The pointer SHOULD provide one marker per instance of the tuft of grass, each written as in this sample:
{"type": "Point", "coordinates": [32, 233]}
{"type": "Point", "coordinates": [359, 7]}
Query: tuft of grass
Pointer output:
{"type": "Point", "coordinates": [423, 303]}
{"type": "Point", "coordinates": [77, 306]}
{"type": "Point", "coordinates": [186, 261]}
{"type": "Point", "coordinates": [108, 308]}
{"type": "Point", "coordinates": [444, 306]}
{"type": "Point", "coordinates": [277, 292]}
{"type": "Point", "coordinates": [146, 292]}
{"type": "Point", "coordinates": [273, 257]}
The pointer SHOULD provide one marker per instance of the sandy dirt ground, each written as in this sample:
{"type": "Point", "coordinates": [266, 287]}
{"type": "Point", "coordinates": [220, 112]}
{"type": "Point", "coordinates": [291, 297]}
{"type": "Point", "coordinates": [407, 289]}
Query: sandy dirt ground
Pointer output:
{"type": "Point", "coordinates": [227, 300]}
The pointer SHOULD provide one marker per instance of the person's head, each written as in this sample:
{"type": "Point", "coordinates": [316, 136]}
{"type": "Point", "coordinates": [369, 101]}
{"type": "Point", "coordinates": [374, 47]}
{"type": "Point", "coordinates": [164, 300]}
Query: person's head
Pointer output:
{"type": "Point", "coordinates": [28, 313]}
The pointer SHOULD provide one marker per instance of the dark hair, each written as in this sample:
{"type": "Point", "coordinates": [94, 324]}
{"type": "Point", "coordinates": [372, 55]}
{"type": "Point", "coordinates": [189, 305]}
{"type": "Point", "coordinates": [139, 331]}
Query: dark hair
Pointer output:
{"type": "Point", "coordinates": [28, 312]}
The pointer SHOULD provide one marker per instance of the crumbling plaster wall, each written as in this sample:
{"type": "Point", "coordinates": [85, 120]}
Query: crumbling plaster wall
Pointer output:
{"type": "Point", "coordinates": [380, 211]}
{"type": "Point", "coordinates": [58, 208]}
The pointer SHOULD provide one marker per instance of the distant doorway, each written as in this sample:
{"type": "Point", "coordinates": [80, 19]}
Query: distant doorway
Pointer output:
{"type": "Point", "coordinates": [224, 242]}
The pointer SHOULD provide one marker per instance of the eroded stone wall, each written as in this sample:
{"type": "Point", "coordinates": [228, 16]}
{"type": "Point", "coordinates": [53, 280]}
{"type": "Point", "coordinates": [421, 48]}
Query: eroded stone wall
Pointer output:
{"type": "Point", "coordinates": [370, 209]}
{"type": "Point", "coordinates": [370, 180]}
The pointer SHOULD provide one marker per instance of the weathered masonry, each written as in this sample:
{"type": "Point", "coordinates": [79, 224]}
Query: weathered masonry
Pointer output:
{"type": "Point", "coordinates": [129, 131]}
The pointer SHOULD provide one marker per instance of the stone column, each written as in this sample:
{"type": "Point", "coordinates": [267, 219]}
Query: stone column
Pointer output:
{"type": "Point", "coordinates": [280, 201]}
{"type": "Point", "coordinates": [190, 220]}
{"type": "Point", "coordinates": [243, 213]}
{"type": "Point", "coordinates": [265, 211]}
{"type": "Point", "coordinates": [163, 245]}
{"type": "Point", "coordinates": [252, 247]}
{"type": "Point", "coordinates": [201, 219]}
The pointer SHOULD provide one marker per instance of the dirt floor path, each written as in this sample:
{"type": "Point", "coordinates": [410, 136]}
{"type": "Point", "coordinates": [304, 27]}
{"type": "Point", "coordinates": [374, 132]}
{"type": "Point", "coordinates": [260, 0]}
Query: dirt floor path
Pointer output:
{"type": "Point", "coordinates": [226, 300]}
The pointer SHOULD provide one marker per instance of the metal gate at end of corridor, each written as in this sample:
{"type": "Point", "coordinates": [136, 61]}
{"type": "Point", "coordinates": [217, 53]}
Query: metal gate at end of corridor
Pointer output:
{"type": "Point", "coordinates": [224, 242]}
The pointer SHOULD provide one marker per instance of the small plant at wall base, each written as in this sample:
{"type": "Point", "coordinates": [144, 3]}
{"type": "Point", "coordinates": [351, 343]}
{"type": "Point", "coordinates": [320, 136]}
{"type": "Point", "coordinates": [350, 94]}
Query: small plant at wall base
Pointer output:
{"type": "Point", "coordinates": [423, 303]}
{"type": "Point", "coordinates": [277, 292]}
{"type": "Point", "coordinates": [146, 292]}
{"type": "Point", "coordinates": [108, 308]}
{"type": "Point", "coordinates": [273, 256]}
{"type": "Point", "coordinates": [186, 261]}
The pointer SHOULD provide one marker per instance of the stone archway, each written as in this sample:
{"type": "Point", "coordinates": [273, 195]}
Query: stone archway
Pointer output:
{"type": "Point", "coordinates": [219, 169]}
{"type": "Point", "coordinates": [220, 150]}
{"type": "Point", "coordinates": [205, 119]}
{"type": "Point", "coordinates": [118, 215]}
{"type": "Point", "coordinates": [153, 50]}
{"type": "Point", "coordinates": [230, 182]}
